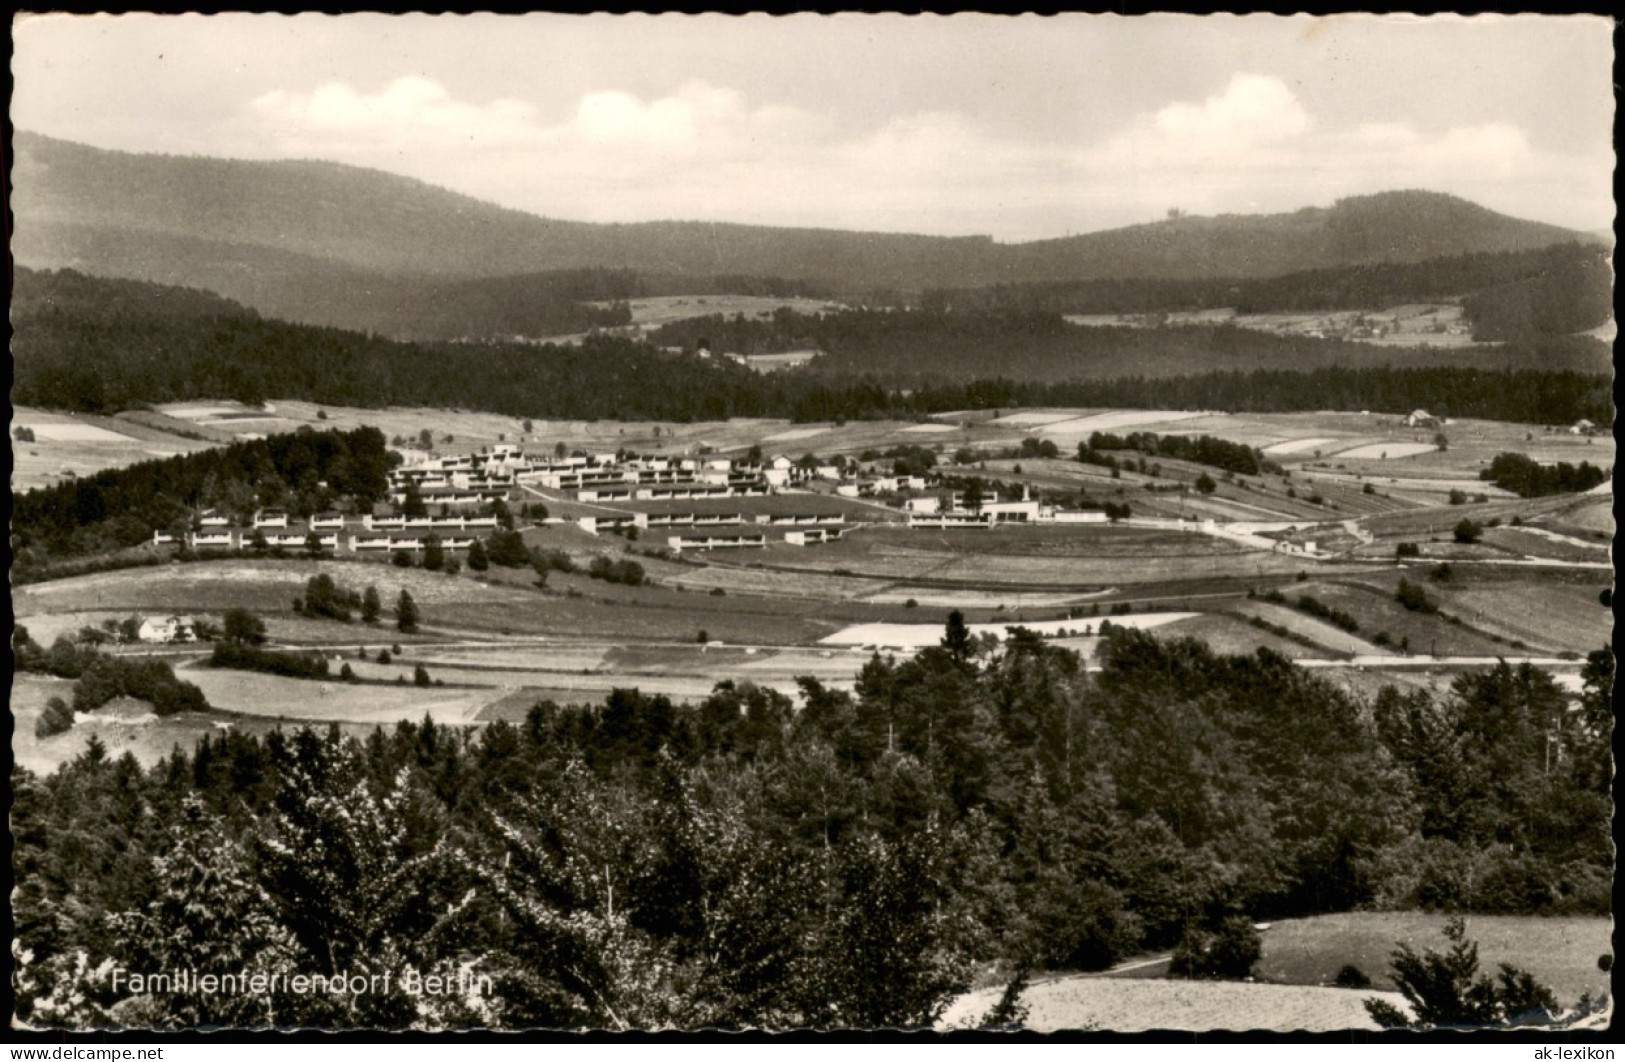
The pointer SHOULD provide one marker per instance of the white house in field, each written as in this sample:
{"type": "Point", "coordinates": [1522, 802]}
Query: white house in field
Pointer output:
{"type": "Point", "coordinates": [166, 629]}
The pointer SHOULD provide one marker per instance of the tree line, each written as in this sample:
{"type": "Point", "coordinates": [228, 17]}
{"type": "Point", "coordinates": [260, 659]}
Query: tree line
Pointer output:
{"type": "Point", "coordinates": [740, 862]}
{"type": "Point", "coordinates": [1197, 449]}
{"type": "Point", "coordinates": [1527, 478]}
{"type": "Point", "coordinates": [303, 472]}
{"type": "Point", "coordinates": [1561, 289]}
{"type": "Point", "coordinates": [91, 357]}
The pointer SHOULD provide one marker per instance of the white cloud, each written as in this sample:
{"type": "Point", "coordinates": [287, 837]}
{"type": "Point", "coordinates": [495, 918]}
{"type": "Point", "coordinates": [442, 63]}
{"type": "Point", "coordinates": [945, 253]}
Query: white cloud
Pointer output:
{"type": "Point", "coordinates": [1251, 110]}
{"type": "Point", "coordinates": [409, 112]}
{"type": "Point", "coordinates": [707, 152]}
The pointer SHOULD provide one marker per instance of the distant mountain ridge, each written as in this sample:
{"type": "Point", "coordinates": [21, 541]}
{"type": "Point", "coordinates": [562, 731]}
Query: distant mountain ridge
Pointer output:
{"type": "Point", "coordinates": [319, 241]}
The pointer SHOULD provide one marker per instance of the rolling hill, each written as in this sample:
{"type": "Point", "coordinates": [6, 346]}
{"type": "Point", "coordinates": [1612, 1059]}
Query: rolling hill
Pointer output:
{"type": "Point", "coordinates": [328, 244]}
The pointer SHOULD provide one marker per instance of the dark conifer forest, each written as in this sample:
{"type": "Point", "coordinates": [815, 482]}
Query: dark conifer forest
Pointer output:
{"type": "Point", "coordinates": [102, 346]}
{"type": "Point", "coordinates": [633, 864]}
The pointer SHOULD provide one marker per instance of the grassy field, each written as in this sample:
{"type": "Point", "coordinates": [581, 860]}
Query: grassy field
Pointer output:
{"type": "Point", "coordinates": [307, 701]}
{"type": "Point", "coordinates": [1371, 602]}
{"type": "Point", "coordinates": [582, 637]}
{"type": "Point", "coordinates": [1561, 952]}
{"type": "Point", "coordinates": [1317, 631]}
{"type": "Point", "coordinates": [1543, 614]}
{"type": "Point", "coordinates": [69, 445]}
{"type": "Point", "coordinates": [1301, 958]}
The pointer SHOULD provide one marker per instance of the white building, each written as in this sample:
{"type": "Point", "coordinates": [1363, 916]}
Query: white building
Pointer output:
{"type": "Point", "coordinates": [166, 629]}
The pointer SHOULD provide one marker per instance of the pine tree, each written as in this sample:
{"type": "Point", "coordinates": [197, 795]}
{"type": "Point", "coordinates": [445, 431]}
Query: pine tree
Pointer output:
{"type": "Point", "coordinates": [406, 614]}
{"type": "Point", "coordinates": [210, 916]}
{"type": "Point", "coordinates": [434, 553]}
{"type": "Point", "coordinates": [371, 605]}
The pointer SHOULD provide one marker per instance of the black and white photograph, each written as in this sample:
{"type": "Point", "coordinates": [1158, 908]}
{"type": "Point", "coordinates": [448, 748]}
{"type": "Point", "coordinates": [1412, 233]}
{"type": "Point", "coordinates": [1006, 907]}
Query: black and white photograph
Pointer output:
{"type": "Point", "coordinates": [970, 524]}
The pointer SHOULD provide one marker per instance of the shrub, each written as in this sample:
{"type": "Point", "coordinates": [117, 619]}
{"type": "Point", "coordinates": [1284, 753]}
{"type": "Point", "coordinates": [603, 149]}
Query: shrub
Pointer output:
{"type": "Point", "coordinates": [703, 637]}
{"type": "Point", "coordinates": [420, 675]}
{"type": "Point", "coordinates": [434, 553]}
{"type": "Point", "coordinates": [400, 558]}
{"type": "Point", "coordinates": [1227, 951]}
{"type": "Point", "coordinates": [507, 549]}
{"type": "Point", "coordinates": [1351, 976]}
{"type": "Point", "coordinates": [1445, 990]}
{"type": "Point", "coordinates": [347, 673]}
{"type": "Point", "coordinates": [717, 591]}
{"type": "Point", "coordinates": [56, 718]}
{"type": "Point", "coordinates": [626, 572]}
{"type": "Point", "coordinates": [325, 599]}
{"type": "Point", "coordinates": [1467, 531]}
{"type": "Point", "coordinates": [1414, 598]}
{"type": "Point", "coordinates": [384, 657]}
{"type": "Point", "coordinates": [289, 665]}
{"type": "Point", "coordinates": [1407, 549]}
{"type": "Point", "coordinates": [241, 625]}
{"type": "Point", "coordinates": [406, 614]}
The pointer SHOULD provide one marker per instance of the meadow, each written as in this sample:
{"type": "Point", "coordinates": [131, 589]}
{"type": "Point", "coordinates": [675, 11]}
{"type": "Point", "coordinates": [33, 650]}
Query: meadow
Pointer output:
{"type": "Point", "coordinates": [499, 635]}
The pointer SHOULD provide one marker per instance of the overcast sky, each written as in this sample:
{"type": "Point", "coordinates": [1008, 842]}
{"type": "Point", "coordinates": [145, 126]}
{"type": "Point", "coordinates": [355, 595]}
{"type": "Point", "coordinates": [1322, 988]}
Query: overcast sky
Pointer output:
{"type": "Point", "coordinates": [1019, 128]}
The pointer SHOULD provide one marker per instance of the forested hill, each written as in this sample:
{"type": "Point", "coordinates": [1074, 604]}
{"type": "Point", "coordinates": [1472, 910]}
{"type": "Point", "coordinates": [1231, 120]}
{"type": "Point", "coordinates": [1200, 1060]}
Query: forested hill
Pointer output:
{"type": "Point", "coordinates": [854, 863]}
{"type": "Point", "coordinates": [1556, 290]}
{"type": "Point", "coordinates": [88, 344]}
{"type": "Point", "coordinates": [146, 216]}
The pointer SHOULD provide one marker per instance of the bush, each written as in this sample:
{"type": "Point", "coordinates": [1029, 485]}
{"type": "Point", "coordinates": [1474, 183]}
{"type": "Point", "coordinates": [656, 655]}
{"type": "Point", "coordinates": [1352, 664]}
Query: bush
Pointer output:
{"type": "Point", "coordinates": [703, 637]}
{"type": "Point", "coordinates": [1351, 976]}
{"type": "Point", "coordinates": [153, 681]}
{"type": "Point", "coordinates": [56, 718]}
{"type": "Point", "coordinates": [406, 615]}
{"type": "Point", "coordinates": [1407, 549]}
{"type": "Point", "coordinates": [241, 625]}
{"type": "Point", "coordinates": [324, 598]}
{"type": "Point", "coordinates": [507, 549]}
{"type": "Point", "coordinates": [1414, 598]}
{"type": "Point", "coordinates": [400, 558]}
{"type": "Point", "coordinates": [347, 673]}
{"type": "Point", "coordinates": [1335, 616]}
{"type": "Point", "coordinates": [420, 675]}
{"type": "Point", "coordinates": [1468, 532]}
{"type": "Point", "coordinates": [626, 572]}
{"type": "Point", "coordinates": [289, 665]}
{"type": "Point", "coordinates": [1445, 990]}
{"type": "Point", "coordinates": [1228, 951]}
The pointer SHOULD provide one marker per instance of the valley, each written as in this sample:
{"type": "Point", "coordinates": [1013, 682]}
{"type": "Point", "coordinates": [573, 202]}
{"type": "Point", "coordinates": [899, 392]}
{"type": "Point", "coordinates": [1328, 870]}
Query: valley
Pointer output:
{"type": "Point", "coordinates": [1226, 564]}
